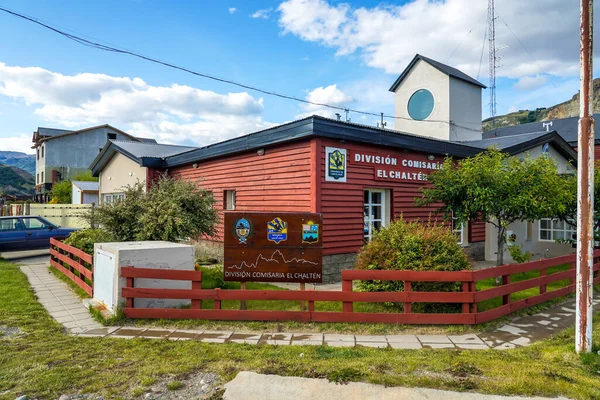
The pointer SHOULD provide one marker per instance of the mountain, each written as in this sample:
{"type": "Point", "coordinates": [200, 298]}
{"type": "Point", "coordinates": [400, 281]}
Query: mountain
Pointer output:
{"type": "Point", "coordinates": [569, 108]}
{"type": "Point", "coordinates": [19, 160]}
{"type": "Point", "coordinates": [16, 181]}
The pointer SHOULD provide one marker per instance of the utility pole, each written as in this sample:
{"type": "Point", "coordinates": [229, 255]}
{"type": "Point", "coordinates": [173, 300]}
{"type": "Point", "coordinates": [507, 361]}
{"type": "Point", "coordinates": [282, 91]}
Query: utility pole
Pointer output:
{"type": "Point", "coordinates": [585, 185]}
{"type": "Point", "coordinates": [491, 21]}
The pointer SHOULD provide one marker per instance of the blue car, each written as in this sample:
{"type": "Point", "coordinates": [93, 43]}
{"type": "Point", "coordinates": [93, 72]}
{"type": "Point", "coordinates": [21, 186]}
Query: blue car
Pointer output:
{"type": "Point", "coordinates": [29, 233]}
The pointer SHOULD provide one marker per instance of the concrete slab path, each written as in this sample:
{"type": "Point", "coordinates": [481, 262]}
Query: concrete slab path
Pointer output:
{"type": "Point", "coordinates": [60, 301]}
{"type": "Point", "coordinates": [68, 309]}
{"type": "Point", "coordinates": [253, 386]}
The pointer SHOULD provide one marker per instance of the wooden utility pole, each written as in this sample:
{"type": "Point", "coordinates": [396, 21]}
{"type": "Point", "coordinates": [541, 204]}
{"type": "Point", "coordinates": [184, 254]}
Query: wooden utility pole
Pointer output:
{"type": "Point", "coordinates": [585, 184]}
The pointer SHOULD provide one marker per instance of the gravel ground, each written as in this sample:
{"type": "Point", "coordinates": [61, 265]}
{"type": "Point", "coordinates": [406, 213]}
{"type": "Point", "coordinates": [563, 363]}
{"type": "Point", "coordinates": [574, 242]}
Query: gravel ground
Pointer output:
{"type": "Point", "coordinates": [198, 386]}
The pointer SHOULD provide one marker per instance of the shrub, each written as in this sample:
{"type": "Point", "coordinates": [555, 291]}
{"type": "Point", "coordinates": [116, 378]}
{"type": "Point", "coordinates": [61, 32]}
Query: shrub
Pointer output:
{"type": "Point", "coordinates": [171, 210]}
{"type": "Point", "coordinates": [84, 239]}
{"type": "Point", "coordinates": [414, 246]}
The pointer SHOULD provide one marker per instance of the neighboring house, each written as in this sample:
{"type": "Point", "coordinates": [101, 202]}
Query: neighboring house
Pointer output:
{"type": "Point", "coordinates": [121, 163]}
{"type": "Point", "coordinates": [84, 192]}
{"type": "Point", "coordinates": [62, 154]}
{"type": "Point", "coordinates": [565, 127]}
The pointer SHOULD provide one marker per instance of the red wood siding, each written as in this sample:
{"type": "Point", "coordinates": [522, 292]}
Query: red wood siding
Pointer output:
{"type": "Point", "coordinates": [280, 180]}
{"type": "Point", "coordinates": [342, 203]}
{"type": "Point", "coordinates": [476, 231]}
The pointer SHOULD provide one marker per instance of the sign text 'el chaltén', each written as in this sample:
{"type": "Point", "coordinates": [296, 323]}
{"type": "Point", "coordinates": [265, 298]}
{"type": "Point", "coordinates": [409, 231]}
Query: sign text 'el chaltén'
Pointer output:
{"type": "Point", "coordinates": [273, 247]}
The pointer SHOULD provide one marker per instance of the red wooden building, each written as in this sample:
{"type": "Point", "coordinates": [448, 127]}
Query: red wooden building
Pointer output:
{"type": "Point", "coordinates": [358, 177]}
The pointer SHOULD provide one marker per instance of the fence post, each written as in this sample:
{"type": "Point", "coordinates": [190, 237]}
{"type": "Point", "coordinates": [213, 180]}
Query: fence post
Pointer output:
{"type": "Point", "coordinates": [473, 289]}
{"type": "Point", "coordinates": [543, 272]}
{"type": "Point", "coordinates": [217, 301]}
{"type": "Point", "coordinates": [242, 302]}
{"type": "Point", "coordinates": [311, 304]}
{"type": "Point", "coordinates": [466, 307]}
{"type": "Point", "coordinates": [129, 300]}
{"type": "Point", "coordinates": [197, 285]}
{"type": "Point", "coordinates": [408, 304]}
{"type": "Point", "coordinates": [572, 266]}
{"type": "Point", "coordinates": [347, 306]}
{"type": "Point", "coordinates": [506, 281]}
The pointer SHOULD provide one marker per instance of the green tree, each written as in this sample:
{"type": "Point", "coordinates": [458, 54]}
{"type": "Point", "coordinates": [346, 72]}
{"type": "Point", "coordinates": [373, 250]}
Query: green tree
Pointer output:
{"type": "Point", "coordinates": [62, 192]}
{"type": "Point", "coordinates": [499, 189]}
{"type": "Point", "coordinates": [172, 209]}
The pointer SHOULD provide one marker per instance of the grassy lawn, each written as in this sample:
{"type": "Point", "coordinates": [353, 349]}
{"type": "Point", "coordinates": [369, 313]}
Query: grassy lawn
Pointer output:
{"type": "Point", "coordinates": [42, 362]}
{"type": "Point", "coordinates": [212, 277]}
{"type": "Point", "coordinates": [497, 302]}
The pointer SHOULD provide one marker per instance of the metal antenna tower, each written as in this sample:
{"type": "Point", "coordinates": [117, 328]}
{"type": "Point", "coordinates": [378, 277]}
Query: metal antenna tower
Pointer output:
{"type": "Point", "coordinates": [491, 22]}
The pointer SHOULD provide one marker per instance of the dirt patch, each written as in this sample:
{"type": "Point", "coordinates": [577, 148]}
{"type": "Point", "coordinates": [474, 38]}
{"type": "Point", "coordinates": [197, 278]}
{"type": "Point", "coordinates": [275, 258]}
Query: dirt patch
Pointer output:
{"type": "Point", "coordinates": [9, 332]}
{"type": "Point", "coordinates": [200, 385]}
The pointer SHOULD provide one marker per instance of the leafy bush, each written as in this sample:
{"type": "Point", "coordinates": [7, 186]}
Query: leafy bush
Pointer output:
{"type": "Point", "coordinates": [84, 239]}
{"type": "Point", "coordinates": [61, 192]}
{"type": "Point", "coordinates": [517, 254]}
{"type": "Point", "coordinates": [171, 210]}
{"type": "Point", "coordinates": [414, 246]}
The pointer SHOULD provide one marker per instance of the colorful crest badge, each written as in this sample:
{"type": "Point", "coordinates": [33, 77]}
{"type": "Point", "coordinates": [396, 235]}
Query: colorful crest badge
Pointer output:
{"type": "Point", "coordinates": [337, 164]}
{"type": "Point", "coordinates": [242, 230]}
{"type": "Point", "coordinates": [277, 230]}
{"type": "Point", "coordinates": [310, 232]}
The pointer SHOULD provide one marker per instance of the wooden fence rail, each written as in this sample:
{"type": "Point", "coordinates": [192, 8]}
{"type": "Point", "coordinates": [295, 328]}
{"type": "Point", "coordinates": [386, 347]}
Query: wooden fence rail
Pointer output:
{"type": "Point", "coordinates": [468, 297]}
{"type": "Point", "coordinates": [71, 262]}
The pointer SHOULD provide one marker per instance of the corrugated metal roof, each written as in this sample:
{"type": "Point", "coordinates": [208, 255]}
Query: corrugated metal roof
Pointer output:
{"type": "Point", "coordinates": [144, 153]}
{"type": "Point", "coordinates": [446, 69]}
{"type": "Point", "coordinates": [519, 143]}
{"type": "Point", "coordinates": [147, 149]}
{"type": "Point", "coordinates": [52, 131]}
{"type": "Point", "coordinates": [86, 186]}
{"type": "Point", "coordinates": [565, 127]}
{"type": "Point", "coordinates": [316, 126]}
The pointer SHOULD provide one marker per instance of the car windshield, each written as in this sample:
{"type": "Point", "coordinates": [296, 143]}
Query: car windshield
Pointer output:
{"type": "Point", "coordinates": [37, 223]}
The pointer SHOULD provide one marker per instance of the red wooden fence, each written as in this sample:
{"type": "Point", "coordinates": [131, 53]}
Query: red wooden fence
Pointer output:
{"type": "Point", "coordinates": [61, 253]}
{"type": "Point", "coordinates": [469, 297]}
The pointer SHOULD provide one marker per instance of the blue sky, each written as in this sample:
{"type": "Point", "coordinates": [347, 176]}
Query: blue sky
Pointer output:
{"type": "Point", "coordinates": [297, 47]}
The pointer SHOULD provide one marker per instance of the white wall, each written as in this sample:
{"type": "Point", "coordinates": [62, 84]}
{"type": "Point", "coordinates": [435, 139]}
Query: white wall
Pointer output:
{"type": "Point", "coordinates": [424, 76]}
{"type": "Point", "coordinates": [118, 173]}
{"type": "Point", "coordinates": [75, 195]}
{"type": "Point", "coordinates": [539, 248]}
{"type": "Point", "coordinates": [465, 111]}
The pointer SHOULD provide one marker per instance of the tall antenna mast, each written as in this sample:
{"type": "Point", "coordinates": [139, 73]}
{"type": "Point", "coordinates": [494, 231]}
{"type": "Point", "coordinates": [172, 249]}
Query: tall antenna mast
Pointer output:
{"type": "Point", "coordinates": [492, 61]}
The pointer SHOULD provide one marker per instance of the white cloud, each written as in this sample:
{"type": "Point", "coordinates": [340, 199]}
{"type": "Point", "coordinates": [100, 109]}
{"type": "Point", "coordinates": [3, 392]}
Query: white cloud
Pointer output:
{"type": "Point", "coordinates": [265, 13]}
{"type": "Point", "coordinates": [20, 143]}
{"type": "Point", "coordinates": [232, 10]}
{"type": "Point", "coordinates": [80, 100]}
{"type": "Point", "coordinates": [330, 95]}
{"type": "Point", "coordinates": [531, 82]}
{"type": "Point", "coordinates": [388, 36]}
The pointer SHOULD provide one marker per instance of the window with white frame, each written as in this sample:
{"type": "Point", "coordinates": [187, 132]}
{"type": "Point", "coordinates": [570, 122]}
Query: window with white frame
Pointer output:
{"type": "Point", "coordinates": [553, 229]}
{"type": "Point", "coordinates": [111, 198]}
{"type": "Point", "coordinates": [229, 203]}
{"type": "Point", "coordinates": [459, 230]}
{"type": "Point", "coordinates": [376, 211]}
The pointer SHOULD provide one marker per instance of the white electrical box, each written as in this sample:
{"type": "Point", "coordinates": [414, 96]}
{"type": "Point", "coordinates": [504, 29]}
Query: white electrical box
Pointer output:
{"type": "Point", "coordinates": [109, 258]}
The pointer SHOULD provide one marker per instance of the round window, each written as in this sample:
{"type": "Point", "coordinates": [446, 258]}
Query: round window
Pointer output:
{"type": "Point", "coordinates": [420, 104]}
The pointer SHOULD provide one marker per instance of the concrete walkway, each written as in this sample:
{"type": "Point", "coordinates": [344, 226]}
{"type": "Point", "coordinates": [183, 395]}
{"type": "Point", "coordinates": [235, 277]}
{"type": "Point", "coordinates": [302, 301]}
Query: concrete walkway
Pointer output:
{"type": "Point", "coordinates": [253, 386]}
{"type": "Point", "coordinates": [68, 309]}
{"type": "Point", "coordinates": [60, 301]}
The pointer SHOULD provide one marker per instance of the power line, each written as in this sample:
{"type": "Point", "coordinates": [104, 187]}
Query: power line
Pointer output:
{"type": "Point", "coordinates": [525, 48]}
{"type": "Point", "coordinates": [104, 47]}
{"type": "Point", "coordinates": [482, 48]}
{"type": "Point", "coordinates": [466, 36]}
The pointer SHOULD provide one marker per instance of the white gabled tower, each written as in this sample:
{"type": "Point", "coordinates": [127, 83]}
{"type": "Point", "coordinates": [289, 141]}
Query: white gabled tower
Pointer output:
{"type": "Point", "coordinates": [438, 101]}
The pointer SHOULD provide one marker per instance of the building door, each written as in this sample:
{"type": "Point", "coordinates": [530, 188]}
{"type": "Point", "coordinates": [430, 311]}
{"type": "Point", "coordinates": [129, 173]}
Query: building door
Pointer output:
{"type": "Point", "coordinates": [375, 207]}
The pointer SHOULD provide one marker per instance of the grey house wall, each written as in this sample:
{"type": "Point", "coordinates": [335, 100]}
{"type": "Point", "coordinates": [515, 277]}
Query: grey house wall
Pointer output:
{"type": "Point", "coordinates": [72, 154]}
